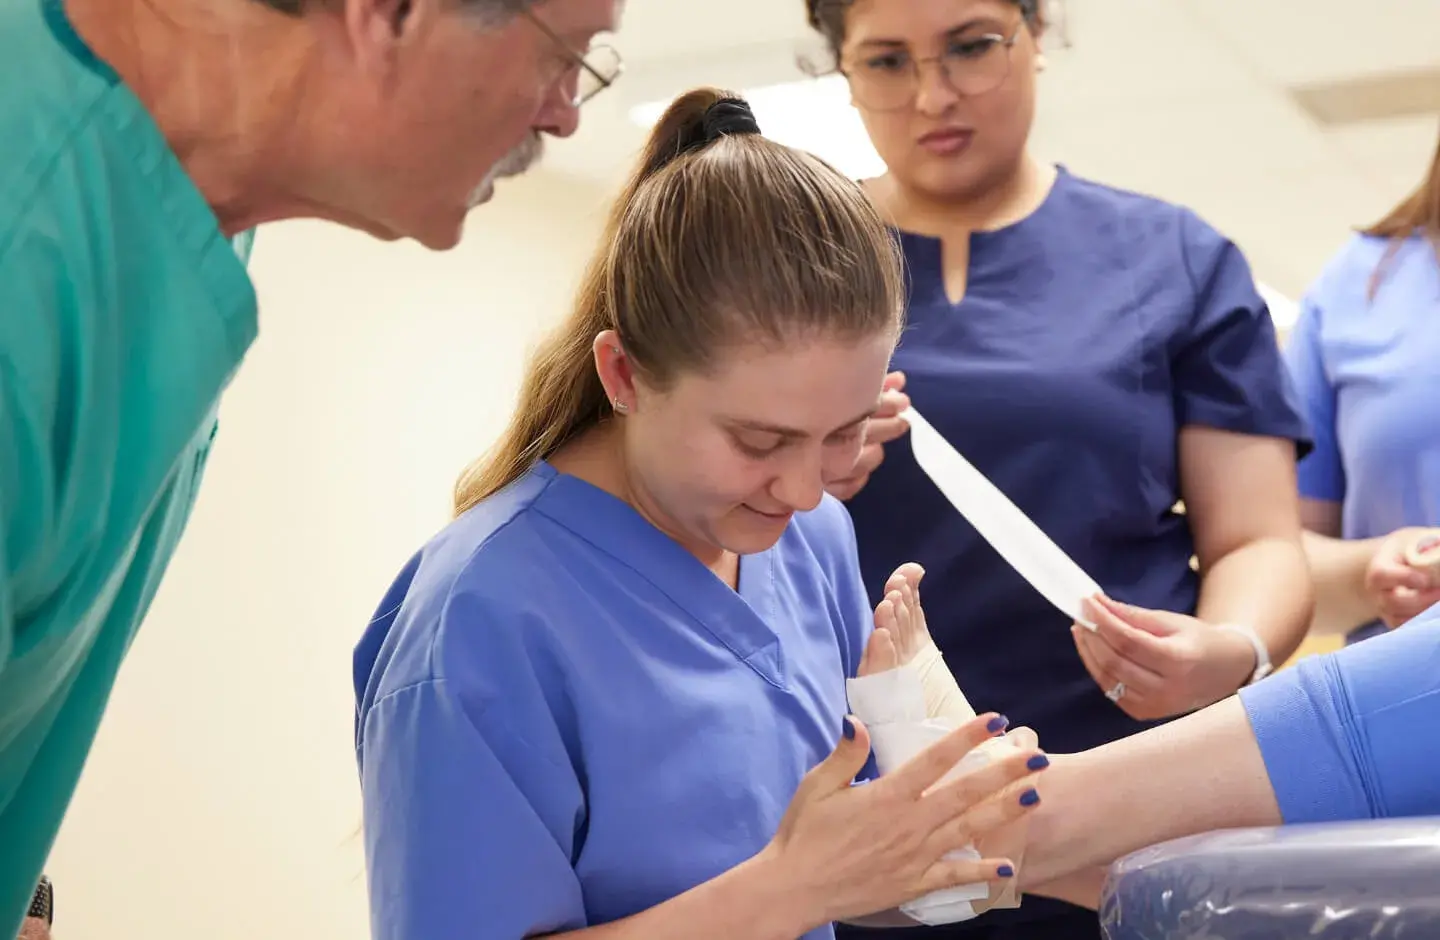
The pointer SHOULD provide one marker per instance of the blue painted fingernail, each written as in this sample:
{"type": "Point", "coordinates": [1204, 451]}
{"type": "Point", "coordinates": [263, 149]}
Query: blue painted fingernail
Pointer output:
{"type": "Point", "coordinates": [1005, 871]}
{"type": "Point", "coordinates": [1029, 797]}
{"type": "Point", "coordinates": [848, 729]}
{"type": "Point", "coordinates": [1038, 762]}
{"type": "Point", "coordinates": [998, 724]}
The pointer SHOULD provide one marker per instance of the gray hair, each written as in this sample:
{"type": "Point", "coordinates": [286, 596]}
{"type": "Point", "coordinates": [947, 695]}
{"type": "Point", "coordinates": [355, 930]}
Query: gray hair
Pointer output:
{"type": "Point", "coordinates": [489, 11]}
{"type": "Point", "coordinates": [827, 17]}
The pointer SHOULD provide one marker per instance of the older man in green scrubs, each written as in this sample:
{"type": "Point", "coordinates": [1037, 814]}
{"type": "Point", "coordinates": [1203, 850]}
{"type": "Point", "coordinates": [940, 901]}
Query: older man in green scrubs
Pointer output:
{"type": "Point", "coordinates": [140, 142]}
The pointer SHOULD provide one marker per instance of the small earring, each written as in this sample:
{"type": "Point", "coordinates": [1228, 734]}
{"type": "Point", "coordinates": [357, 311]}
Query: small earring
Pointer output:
{"type": "Point", "coordinates": [620, 406]}
{"type": "Point", "coordinates": [1040, 62]}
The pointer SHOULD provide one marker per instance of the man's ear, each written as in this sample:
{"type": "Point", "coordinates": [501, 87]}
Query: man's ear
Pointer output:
{"type": "Point", "coordinates": [378, 30]}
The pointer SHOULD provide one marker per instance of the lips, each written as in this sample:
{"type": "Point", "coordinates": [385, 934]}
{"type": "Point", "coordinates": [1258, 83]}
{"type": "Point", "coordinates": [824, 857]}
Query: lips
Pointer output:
{"type": "Point", "coordinates": [772, 516]}
{"type": "Point", "coordinates": [948, 141]}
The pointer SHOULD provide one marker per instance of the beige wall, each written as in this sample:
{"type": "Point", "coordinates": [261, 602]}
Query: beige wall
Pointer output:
{"type": "Point", "coordinates": [221, 799]}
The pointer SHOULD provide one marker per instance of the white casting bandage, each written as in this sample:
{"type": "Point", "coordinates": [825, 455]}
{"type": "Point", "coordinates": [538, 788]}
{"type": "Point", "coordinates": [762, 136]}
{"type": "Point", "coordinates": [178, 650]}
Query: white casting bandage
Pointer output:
{"type": "Point", "coordinates": [894, 705]}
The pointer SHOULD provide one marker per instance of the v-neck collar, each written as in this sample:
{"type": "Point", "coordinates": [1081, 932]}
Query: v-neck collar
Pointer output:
{"type": "Point", "coordinates": [995, 254]}
{"type": "Point", "coordinates": [739, 620]}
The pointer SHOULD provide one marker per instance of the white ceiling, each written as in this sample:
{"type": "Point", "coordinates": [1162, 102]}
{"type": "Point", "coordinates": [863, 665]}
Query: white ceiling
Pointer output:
{"type": "Point", "coordinates": [1185, 99]}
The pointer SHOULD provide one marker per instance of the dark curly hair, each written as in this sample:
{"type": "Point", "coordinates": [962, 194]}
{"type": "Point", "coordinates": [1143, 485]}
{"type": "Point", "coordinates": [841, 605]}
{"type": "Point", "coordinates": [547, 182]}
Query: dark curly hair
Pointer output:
{"type": "Point", "coordinates": [827, 17]}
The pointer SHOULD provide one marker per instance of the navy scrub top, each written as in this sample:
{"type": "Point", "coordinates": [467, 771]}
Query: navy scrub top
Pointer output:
{"type": "Point", "coordinates": [1090, 333]}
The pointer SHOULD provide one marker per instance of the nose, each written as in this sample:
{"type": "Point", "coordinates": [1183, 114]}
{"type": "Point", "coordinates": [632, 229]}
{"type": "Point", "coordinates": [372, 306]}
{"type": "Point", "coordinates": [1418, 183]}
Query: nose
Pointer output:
{"type": "Point", "coordinates": [801, 483]}
{"type": "Point", "coordinates": [933, 93]}
{"type": "Point", "coordinates": [559, 115]}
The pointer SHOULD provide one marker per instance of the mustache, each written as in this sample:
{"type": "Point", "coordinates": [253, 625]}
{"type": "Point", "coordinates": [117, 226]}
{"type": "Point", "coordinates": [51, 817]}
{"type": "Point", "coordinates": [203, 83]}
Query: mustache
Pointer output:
{"type": "Point", "coordinates": [522, 158]}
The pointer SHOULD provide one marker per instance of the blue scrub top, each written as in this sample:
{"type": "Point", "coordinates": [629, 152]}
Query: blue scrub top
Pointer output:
{"type": "Point", "coordinates": [1090, 334]}
{"type": "Point", "coordinates": [1355, 734]}
{"type": "Point", "coordinates": [1368, 374]}
{"type": "Point", "coordinates": [564, 718]}
{"type": "Point", "coordinates": [124, 312]}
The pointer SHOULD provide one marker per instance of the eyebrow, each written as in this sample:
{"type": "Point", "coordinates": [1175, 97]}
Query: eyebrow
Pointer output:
{"type": "Point", "coordinates": [950, 33]}
{"type": "Point", "coordinates": [766, 428]}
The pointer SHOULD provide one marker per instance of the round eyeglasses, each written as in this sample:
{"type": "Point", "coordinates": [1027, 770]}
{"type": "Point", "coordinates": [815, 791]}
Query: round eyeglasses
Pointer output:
{"type": "Point", "coordinates": [889, 79]}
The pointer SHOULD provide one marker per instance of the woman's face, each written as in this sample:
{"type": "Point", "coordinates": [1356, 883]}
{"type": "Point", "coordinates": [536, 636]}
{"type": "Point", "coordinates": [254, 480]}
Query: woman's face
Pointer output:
{"type": "Point", "coordinates": [723, 460]}
{"type": "Point", "coordinates": [962, 125]}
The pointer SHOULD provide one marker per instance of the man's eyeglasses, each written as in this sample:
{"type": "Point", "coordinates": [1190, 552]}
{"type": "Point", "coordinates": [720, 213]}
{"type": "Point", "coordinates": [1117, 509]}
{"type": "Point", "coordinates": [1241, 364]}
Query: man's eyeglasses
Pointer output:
{"type": "Point", "coordinates": [599, 66]}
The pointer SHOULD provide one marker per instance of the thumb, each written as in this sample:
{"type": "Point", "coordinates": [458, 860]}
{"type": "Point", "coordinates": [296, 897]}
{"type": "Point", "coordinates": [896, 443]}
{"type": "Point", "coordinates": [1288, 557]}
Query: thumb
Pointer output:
{"type": "Point", "coordinates": [838, 771]}
{"type": "Point", "coordinates": [1155, 622]}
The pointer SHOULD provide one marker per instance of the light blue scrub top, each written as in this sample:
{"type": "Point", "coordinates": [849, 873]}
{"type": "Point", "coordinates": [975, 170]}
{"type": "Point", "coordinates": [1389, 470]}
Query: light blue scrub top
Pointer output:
{"type": "Point", "coordinates": [123, 314]}
{"type": "Point", "coordinates": [564, 718]}
{"type": "Point", "coordinates": [1368, 375]}
{"type": "Point", "coordinates": [1355, 734]}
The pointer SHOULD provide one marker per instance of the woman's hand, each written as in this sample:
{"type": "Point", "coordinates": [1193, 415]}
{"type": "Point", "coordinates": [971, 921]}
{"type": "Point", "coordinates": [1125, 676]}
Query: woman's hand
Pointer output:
{"type": "Point", "coordinates": [1398, 588]}
{"type": "Point", "coordinates": [883, 427]}
{"type": "Point", "coordinates": [1155, 663]}
{"type": "Point", "coordinates": [847, 850]}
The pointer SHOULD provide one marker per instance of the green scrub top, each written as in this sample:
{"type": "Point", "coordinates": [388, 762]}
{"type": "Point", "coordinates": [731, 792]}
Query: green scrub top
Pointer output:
{"type": "Point", "coordinates": [124, 313]}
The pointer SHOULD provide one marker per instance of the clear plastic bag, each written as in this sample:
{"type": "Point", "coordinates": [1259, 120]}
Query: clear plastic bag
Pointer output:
{"type": "Point", "coordinates": [1379, 880]}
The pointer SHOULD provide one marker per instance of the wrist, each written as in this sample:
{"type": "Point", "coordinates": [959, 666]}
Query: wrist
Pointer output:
{"type": "Point", "coordinates": [1250, 652]}
{"type": "Point", "coordinates": [780, 902]}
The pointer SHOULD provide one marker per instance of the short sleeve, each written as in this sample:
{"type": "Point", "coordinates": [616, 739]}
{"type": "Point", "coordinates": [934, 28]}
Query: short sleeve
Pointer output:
{"type": "Point", "coordinates": [1227, 368]}
{"type": "Point", "coordinates": [1351, 735]}
{"type": "Point", "coordinates": [1322, 475]}
{"type": "Point", "coordinates": [460, 827]}
{"type": "Point", "coordinates": [843, 553]}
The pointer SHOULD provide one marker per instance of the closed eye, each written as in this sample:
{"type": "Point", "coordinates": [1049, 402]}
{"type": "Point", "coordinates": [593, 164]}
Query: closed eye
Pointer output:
{"type": "Point", "coordinates": [759, 444]}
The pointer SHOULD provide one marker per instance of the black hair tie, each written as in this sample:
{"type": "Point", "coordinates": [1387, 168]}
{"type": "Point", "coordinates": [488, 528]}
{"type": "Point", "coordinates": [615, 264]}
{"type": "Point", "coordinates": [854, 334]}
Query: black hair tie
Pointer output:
{"type": "Point", "coordinates": [729, 117]}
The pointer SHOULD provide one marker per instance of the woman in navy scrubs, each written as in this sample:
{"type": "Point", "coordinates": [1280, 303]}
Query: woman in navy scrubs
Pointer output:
{"type": "Point", "coordinates": [1098, 354]}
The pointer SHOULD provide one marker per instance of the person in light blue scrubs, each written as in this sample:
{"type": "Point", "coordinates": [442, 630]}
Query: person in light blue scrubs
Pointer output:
{"type": "Point", "coordinates": [1345, 736]}
{"type": "Point", "coordinates": [1365, 356]}
{"type": "Point", "coordinates": [612, 691]}
{"type": "Point", "coordinates": [142, 145]}
{"type": "Point", "coordinates": [1100, 356]}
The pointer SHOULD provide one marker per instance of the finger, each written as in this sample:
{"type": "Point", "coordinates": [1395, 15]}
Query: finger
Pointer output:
{"type": "Point", "coordinates": [1005, 768]}
{"type": "Point", "coordinates": [884, 428]}
{"type": "Point", "coordinates": [1138, 646]}
{"type": "Point", "coordinates": [1404, 604]}
{"type": "Point", "coordinates": [844, 489]}
{"type": "Point", "coordinates": [837, 772]}
{"type": "Point", "coordinates": [947, 873]}
{"type": "Point", "coordinates": [1023, 737]}
{"type": "Point", "coordinates": [979, 803]}
{"type": "Point", "coordinates": [1386, 575]}
{"type": "Point", "coordinates": [919, 773]}
{"type": "Point", "coordinates": [891, 404]}
{"type": "Point", "coordinates": [1139, 679]}
{"type": "Point", "coordinates": [895, 381]}
{"type": "Point", "coordinates": [1153, 622]}
{"type": "Point", "coordinates": [871, 456]}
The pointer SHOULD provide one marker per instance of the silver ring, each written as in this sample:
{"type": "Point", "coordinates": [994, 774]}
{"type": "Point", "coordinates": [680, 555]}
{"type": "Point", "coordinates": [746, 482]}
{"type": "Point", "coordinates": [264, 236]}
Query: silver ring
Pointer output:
{"type": "Point", "coordinates": [1117, 692]}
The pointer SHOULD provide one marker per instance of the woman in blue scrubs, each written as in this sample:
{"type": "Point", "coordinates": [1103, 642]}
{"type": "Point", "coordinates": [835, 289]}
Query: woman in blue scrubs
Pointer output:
{"type": "Point", "coordinates": [596, 698]}
{"type": "Point", "coordinates": [1365, 356]}
{"type": "Point", "coordinates": [1099, 355]}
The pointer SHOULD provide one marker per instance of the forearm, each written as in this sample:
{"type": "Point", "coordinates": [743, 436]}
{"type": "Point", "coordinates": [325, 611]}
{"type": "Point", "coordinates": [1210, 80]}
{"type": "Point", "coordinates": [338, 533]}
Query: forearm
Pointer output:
{"type": "Point", "coordinates": [1264, 584]}
{"type": "Point", "coordinates": [1337, 567]}
{"type": "Point", "coordinates": [1195, 774]}
{"type": "Point", "coordinates": [1081, 887]}
{"type": "Point", "coordinates": [751, 900]}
